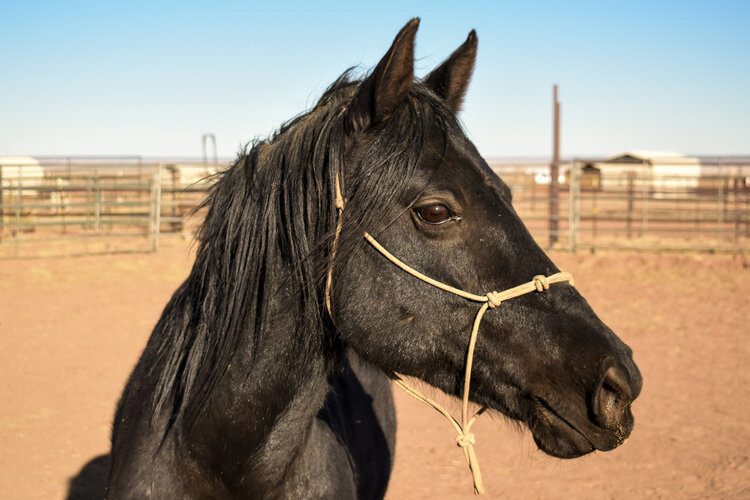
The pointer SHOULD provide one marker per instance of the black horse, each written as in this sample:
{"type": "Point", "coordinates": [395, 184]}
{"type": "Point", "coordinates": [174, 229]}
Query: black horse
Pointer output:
{"type": "Point", "coordinates": [250, 388]}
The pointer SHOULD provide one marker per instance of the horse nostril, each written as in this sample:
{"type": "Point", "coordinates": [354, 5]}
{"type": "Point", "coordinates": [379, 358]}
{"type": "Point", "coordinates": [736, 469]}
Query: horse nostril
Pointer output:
{"type": "Point", "coordinates": [611, 400]}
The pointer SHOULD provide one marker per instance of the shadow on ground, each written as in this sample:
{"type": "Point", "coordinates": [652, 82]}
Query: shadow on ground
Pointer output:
{"type": "Point", "coordinates": [91, 482]}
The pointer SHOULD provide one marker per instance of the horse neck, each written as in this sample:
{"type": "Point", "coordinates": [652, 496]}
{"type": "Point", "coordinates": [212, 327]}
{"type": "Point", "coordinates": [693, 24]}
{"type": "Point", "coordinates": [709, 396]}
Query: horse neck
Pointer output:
{"type": "Point", "coordinates": [263, 409]}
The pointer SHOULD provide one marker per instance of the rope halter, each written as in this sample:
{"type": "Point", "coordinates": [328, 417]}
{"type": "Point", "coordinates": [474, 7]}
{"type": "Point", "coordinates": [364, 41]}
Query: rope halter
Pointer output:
{"type": "Point", "coordinates": [465, 438]}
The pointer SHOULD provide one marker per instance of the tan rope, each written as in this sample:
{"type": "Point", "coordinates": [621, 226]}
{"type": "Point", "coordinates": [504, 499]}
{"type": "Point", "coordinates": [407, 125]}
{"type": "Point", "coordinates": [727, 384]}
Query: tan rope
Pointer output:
{"type": "Point", "coordinates": [340, 219]}
{"type": "Point", "coordinates": [465, 439]}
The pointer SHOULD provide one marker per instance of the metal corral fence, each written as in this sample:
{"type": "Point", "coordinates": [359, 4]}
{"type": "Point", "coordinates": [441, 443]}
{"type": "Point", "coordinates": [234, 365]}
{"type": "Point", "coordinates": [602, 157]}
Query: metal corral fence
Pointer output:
{"type": "Point", "coordinates": [69, 208]}
{"type": "Point", "coordinates": [686, 204]}
{"type": "Point", "coordinates": [54, 208]}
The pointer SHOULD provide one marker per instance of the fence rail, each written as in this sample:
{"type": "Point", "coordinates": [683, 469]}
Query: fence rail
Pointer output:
{"type": "Point", "coordinates": [108, 207]}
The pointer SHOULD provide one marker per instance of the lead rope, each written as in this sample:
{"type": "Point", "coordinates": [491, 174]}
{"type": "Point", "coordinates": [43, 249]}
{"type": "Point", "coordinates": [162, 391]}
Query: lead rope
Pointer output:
{"type": "Point", "coordinates": [465, 439]}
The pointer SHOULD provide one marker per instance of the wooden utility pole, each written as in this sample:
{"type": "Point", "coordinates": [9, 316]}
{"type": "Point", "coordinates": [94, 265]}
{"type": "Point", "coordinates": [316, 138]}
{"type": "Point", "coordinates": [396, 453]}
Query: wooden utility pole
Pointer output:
{"type": "Point", "coordinates": [554, 172]}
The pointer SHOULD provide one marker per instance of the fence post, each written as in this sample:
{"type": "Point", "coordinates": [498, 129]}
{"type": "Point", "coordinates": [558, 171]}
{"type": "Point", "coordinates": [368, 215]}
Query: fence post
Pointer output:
{"type": "Point", "coordinates": [157, 212]}
{"type": "Point", "coordinates": [152, 194]}
{"type": "Point", "coordinates": [630, 175]}
{"type": "Point", "coordinates": [2, 207]}
{"type": "Point", "coordinates": [735, 213]}
{"type": "Point", "coordinates": [574, 212]}
{"type": "Point", "coordinates": [89, 183]}
{"type": "Point", "coordinates": [720, 218]}
{"type": "Point", "coordinates": [18, 210]}
{"type": "Point", "coordinates": [87, 226]}
{"type": "Point", "coordinates": [97, 200]}
{"type": "Point", "coordinates": [176, 225]}
{"type": "Point", "coordinates": [594, 211]}
{"type": "Point", "coordinates": [154, 220]}
{"type": "Point", "coordinates": [646, 193]}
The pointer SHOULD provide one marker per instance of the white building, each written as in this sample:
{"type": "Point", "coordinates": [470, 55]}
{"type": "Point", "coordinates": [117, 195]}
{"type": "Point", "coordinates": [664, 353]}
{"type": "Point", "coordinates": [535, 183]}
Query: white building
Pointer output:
{"type": "Point", "coordinates": [20, 171]}
{"type": "Point", "coordinates": [661, 170]}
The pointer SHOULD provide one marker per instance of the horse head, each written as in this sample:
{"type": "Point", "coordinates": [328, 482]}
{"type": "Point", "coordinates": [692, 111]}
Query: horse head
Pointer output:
{"type": "Point", "coordinates": [411, 178]}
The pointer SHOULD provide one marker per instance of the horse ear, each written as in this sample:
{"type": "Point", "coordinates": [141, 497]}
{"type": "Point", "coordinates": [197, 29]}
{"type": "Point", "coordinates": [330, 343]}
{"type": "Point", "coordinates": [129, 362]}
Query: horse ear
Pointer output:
{"type": "Point", "coordinates": [381, 92]}
{"type": "Point", "coordinates": [451, 79]}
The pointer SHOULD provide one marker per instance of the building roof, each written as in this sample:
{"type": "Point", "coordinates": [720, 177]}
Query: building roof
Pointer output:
{"type": "Point", "coordinates": [652, 157]}
{"type": "Point", "coordinates": [18, 160]}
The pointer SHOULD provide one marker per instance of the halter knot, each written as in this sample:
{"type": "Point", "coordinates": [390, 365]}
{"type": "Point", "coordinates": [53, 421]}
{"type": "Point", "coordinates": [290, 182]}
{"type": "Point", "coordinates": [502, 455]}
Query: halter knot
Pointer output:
{"type": "Point", "coordinates": [494, 299]}
{"type": "Point", "coordinates": [464, 440]}
{"type": "Point", "coordinates": [541, 283]}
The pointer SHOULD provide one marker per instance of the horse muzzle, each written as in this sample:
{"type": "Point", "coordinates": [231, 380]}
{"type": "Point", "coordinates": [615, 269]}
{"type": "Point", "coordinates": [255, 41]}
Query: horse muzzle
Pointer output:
{"type": "Point", "coordinates": [606, 423]}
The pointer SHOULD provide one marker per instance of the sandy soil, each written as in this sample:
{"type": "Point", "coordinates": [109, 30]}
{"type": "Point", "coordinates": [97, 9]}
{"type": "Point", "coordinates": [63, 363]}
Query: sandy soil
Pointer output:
{"type": "Point", "coordinates": [71, 330]}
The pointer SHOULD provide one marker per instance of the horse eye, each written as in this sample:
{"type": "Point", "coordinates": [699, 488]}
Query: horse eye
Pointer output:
{"type": "Point", "coordinates": [434, 214]}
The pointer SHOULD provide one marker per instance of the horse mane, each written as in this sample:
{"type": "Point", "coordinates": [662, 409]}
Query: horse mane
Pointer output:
{"type": "Point", "coordinates": [275, 205]}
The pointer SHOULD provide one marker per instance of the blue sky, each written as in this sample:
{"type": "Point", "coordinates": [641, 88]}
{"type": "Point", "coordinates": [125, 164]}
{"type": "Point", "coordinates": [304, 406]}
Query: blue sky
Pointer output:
{"type": "Point", "coordinates": [151, 77]}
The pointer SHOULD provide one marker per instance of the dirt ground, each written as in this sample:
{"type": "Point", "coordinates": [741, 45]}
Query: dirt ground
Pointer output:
{"type": "Point", "coordinates": [72, 328]}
